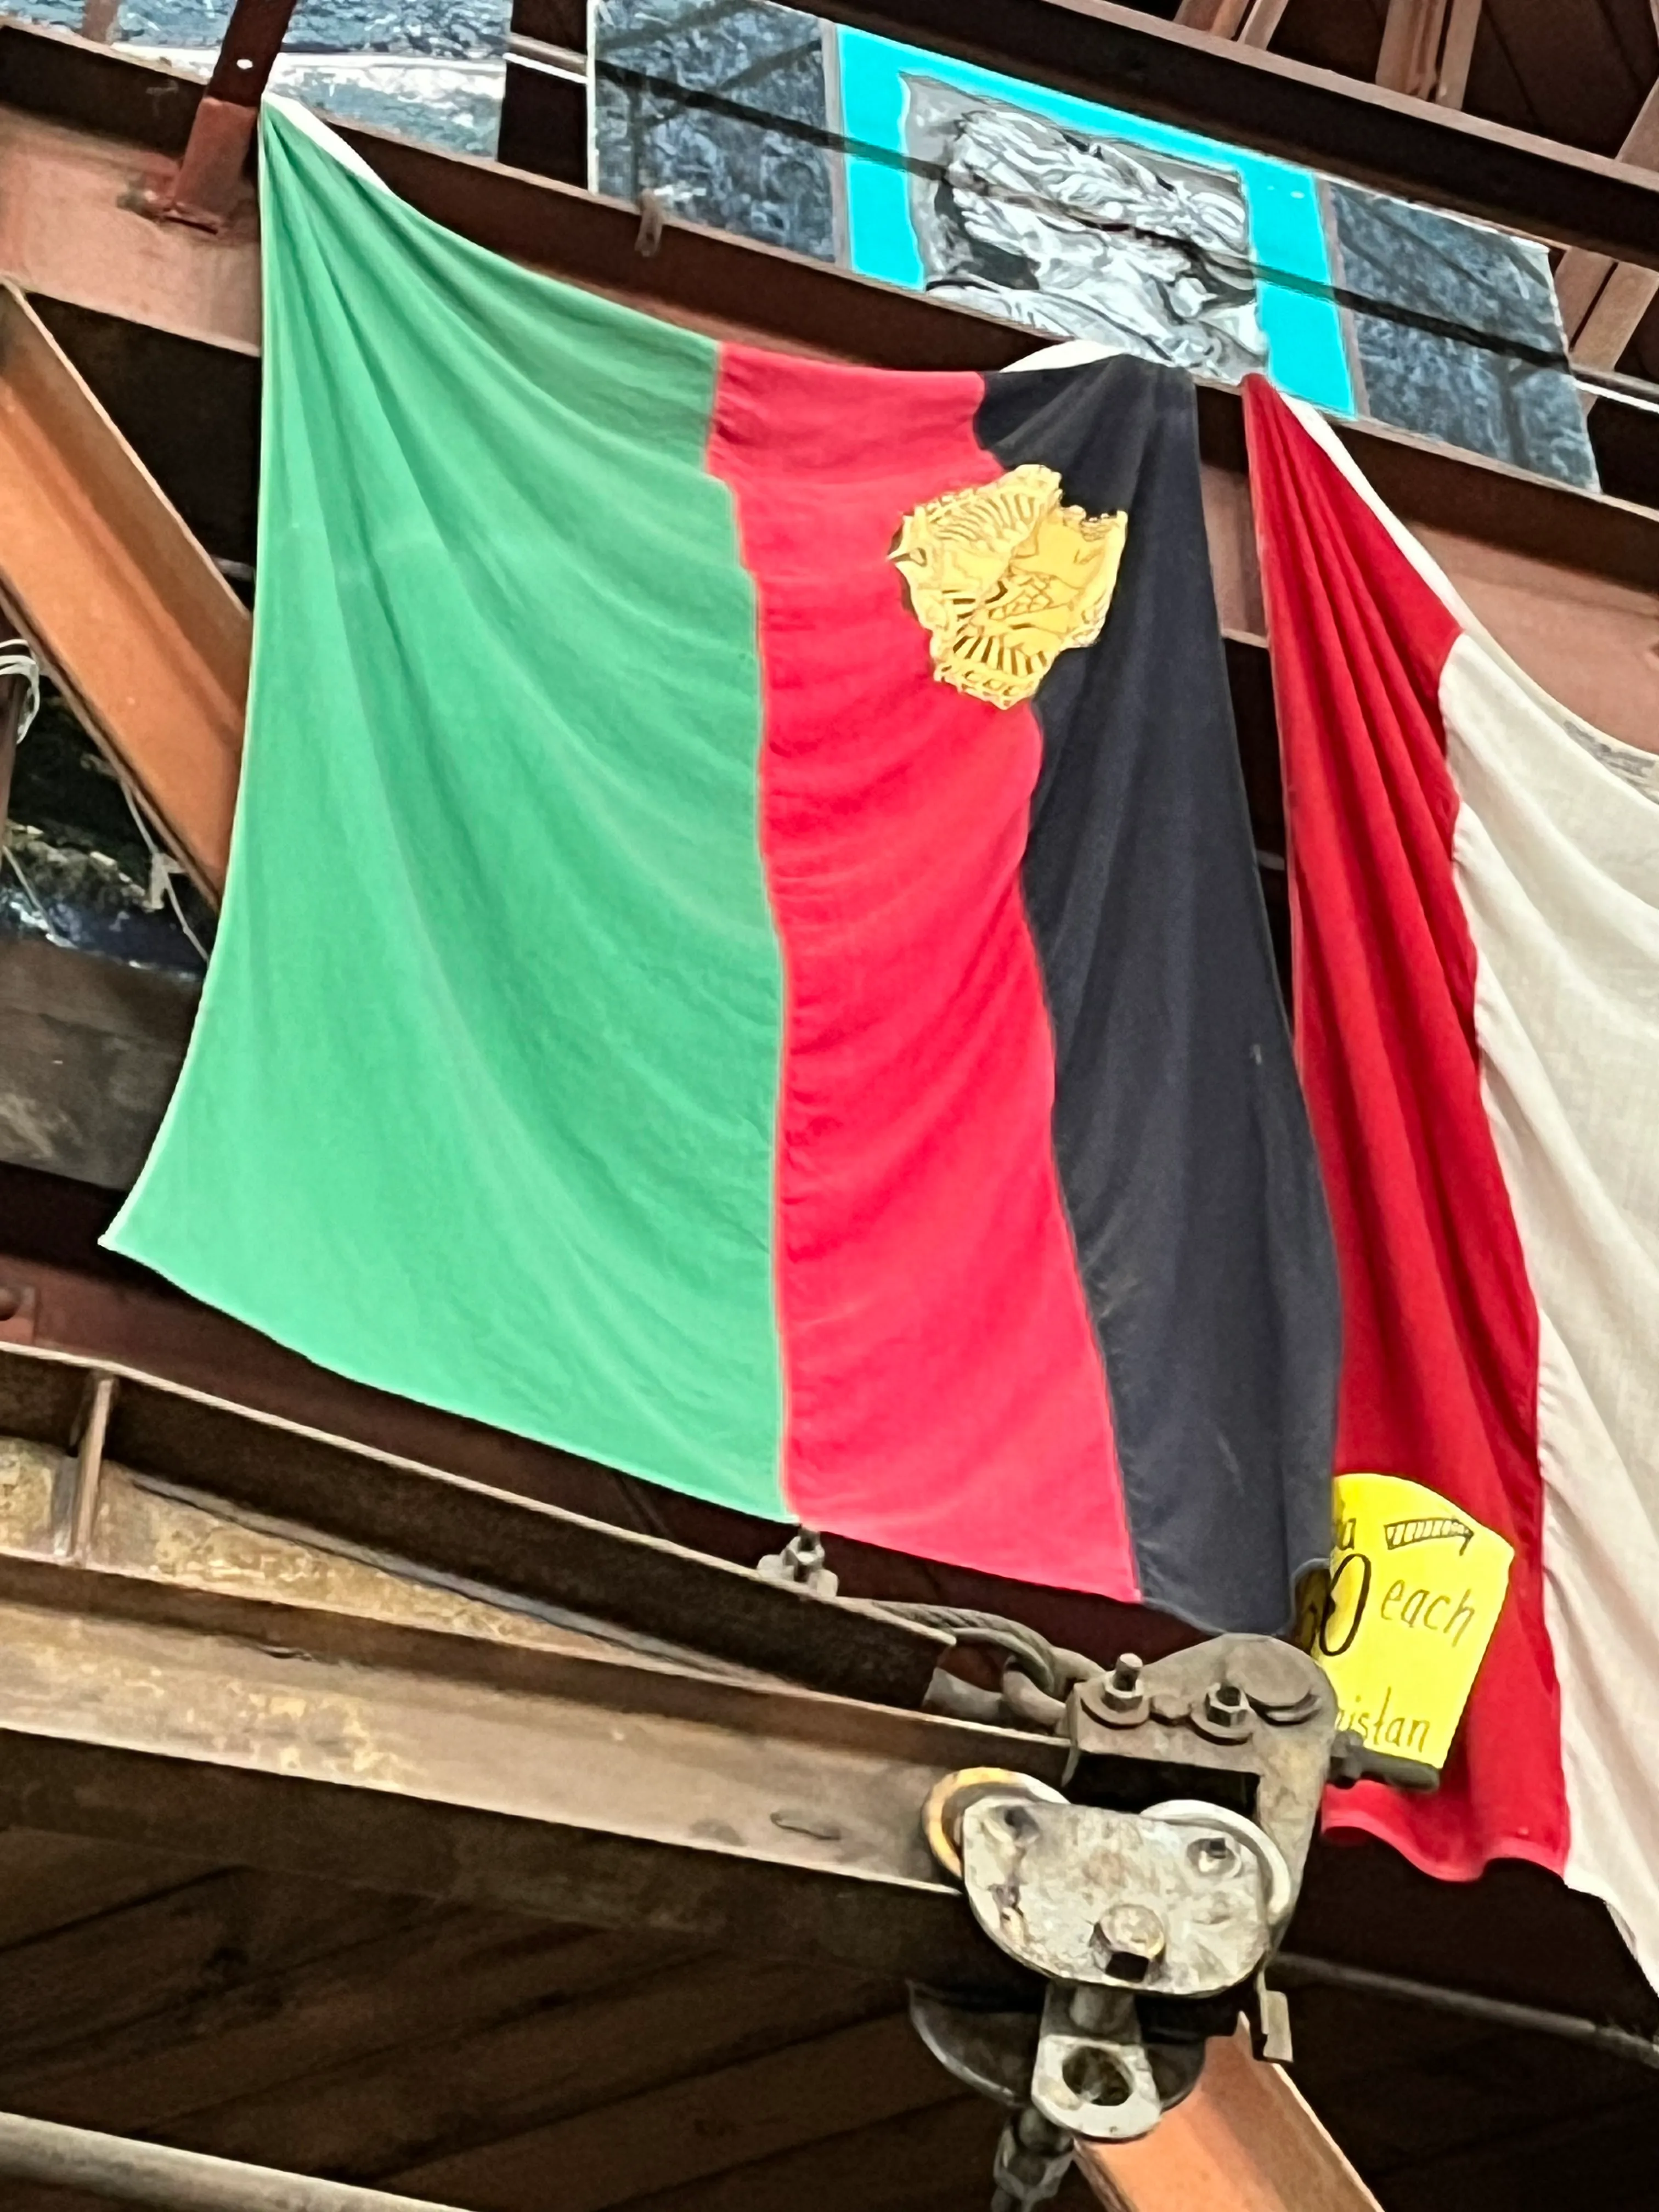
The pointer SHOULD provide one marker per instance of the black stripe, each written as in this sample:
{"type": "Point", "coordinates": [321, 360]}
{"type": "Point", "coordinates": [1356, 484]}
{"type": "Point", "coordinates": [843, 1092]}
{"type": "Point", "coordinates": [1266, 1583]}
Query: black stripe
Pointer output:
{"type": "Point", "coordinates": [1184, 1152]}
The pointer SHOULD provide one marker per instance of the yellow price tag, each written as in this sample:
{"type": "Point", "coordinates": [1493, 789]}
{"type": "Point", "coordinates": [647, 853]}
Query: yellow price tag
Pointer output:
{"type": "Point", "coordinates": [1416, 1589]}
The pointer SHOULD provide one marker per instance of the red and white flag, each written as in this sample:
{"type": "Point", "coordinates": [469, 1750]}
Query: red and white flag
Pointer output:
{"type": "Point", "coordinates": [1475, 885]}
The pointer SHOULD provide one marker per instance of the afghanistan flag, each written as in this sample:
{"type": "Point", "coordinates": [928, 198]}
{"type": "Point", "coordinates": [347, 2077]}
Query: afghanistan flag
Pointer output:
{"type": "Point", "coordinates": [741, 956]}
{"type": "Point", "coordinates": [1475, 887]}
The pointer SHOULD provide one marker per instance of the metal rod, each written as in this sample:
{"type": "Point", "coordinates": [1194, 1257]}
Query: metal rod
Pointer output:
{"type": "Point", "coordinates": [55, 2157]}
{"type": "Point", "coordinates": [1297, 1972]}
{"type": "Point", "coordinates": [1628, 390]}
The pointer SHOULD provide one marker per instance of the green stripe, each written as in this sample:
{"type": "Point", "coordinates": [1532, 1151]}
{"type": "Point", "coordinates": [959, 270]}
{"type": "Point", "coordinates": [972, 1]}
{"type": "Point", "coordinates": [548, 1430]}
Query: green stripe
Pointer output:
{"type": "Point", "coordinates": [480, 1106]}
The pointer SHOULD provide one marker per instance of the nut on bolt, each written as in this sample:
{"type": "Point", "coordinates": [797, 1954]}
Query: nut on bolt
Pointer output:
{"type": "Point", "coordinates": [1226, 1713]}
{"type": "Point", "coordinates": [1120, 1698]}
{"type": "Point", "coordinates": [1128, 1941]}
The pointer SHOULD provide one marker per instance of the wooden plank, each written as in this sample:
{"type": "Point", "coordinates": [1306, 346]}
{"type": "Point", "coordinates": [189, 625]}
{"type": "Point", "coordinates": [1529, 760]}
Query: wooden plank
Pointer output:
{"type": "Point", "coordinates": [432, 2098]}
{"type": "Point", "coordinates": [1263, 20]}
{"type": "Point", "coordinates": [49, 1882]}
{"type": "Point", "coordinates": [1245, 2141]}
{"type": "Point", "coordinates": [936, 2160]}
{"type": "Point", "coordinates": [1586, 2160]}
{"type": "Point", "coordinates": [126, 1966]}
{"type": "Point", "coordinates": [1612, 322]}
{"type": "Point", "coordinates": [466, 1970]}
{"type": "Point", "coordinates": [1409, 56]}
{"type": "Point", "coordinates": [93, 1050]}
{"type": "Point", "coordinates": [1457, 52]}
{"type": "Point", "coordinates": [1404, 2088]}
{"type": "Point", "coordinates": [1581, 276]}
{"type": "Point", "coordinates": [1220, 18]}
{"type": "Point", "coordinates": [700, 2127]}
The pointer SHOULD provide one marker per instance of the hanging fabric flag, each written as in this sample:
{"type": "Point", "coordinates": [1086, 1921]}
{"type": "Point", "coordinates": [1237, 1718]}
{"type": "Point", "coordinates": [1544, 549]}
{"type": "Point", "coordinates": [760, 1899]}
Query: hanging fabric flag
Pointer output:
{"type": "Point", "coordinates": [741, 956]}
{"type": "Point", "coordinates": [1474, 880]}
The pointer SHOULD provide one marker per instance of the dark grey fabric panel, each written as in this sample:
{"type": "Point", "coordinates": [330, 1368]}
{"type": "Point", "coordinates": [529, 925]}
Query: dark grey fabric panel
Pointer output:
{"type": "Point", "coordinates": [1183, 1142]}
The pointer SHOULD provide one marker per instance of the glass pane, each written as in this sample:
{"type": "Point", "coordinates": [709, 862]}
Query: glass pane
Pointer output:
{"type": "Point", "coordinates": [1086, 223]}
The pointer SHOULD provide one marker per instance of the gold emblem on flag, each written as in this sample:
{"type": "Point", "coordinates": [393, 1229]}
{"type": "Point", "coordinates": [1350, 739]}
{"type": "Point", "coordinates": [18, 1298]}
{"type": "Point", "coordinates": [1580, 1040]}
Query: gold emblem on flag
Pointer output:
{"type": "Point", "coordinates": [1004, 580]}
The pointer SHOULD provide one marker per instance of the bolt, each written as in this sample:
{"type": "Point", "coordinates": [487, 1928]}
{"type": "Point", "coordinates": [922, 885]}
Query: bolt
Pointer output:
{"type": "Point", "coordinates": [1213, 1855]}
{"type": "Point", "coordinates": [1130, 1938]}
{"type": "Point", "coordinates": [1120, 1698]}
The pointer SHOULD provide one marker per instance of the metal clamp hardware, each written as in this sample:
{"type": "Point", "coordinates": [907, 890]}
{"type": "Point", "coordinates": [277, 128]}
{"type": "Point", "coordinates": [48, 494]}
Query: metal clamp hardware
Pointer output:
{"type": "Point", "coordinates": [1148, 1898]}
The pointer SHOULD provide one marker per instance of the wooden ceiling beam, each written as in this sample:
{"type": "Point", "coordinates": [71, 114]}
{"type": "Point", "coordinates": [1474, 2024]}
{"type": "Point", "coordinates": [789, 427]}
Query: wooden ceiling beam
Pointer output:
{"type": "Point", "coordinates": [1427, 46]}
{"type": "Point", "coordinates": [1602, 300]}
{"type": "Point", "coordinates": [423, 1763]}
{"type": "Point", "coordinates": [1221, 18]}
{"type": "Point", "coordinates": [1251, 23]}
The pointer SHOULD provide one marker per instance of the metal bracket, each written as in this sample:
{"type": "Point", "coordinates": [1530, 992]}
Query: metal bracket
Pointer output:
{"type": "Point", "coordinates": [1180, 1907]}
{"type": "Point", "coordinates": [1147, 1899]}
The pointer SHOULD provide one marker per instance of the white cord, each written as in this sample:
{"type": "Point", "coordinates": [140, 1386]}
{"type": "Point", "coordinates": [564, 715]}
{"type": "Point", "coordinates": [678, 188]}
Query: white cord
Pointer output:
{"type": "Point", "coordinates": [163, 868]}
{"type": "Point", "coordinates": [16, 659]}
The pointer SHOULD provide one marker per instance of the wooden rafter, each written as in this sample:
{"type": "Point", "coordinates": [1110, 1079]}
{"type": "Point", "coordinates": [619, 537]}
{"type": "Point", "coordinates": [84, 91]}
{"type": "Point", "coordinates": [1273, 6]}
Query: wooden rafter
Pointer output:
{"type": "Point", "coordinates": [1250, 22]}
{"type": "Point", "coordinates": [1427, 46]}
{"type": "Point", "coordinates": [1603, 300]}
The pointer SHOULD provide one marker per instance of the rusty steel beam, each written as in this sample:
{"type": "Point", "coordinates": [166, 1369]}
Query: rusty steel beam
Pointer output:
{"type": "Point", "coordinates": [606, 1791]}
{"type": "Point", "coordinates": [1245, 2141]}
{"type": "Point", "coordinates": [204, 191]}
{"type": "Point", "coordinates": [117, 599]}
{"type": "Point", "coordinates": [468, 1533]}
{"type": "Point", "coordinates": [1094, 49]}
{"type": "Point", "coordinates": [73, 227]}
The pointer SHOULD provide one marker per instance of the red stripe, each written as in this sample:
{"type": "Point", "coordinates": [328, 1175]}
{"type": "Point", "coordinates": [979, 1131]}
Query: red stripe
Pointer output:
{"type": "Point", "coordinates": [946, 1393]}
{"type": "Point", "coordinates": [1440, 1377]}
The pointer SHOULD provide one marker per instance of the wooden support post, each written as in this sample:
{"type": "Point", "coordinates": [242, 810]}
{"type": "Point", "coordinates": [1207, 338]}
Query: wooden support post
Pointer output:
{"type": "Point", "coordinates": [1262, 22]}
{"type": "Point", "coordinates": [1245, 2141]}
{"type": "Point", "coordinates": [1222, 19]}
{"type": "Point", "coordinates": [1251, 23]}
{"type": "Point", "coordinates": [1427, 47]}
{"type": "Point", "coordinates": [85, 1471]}
{"type": "Point", "coordinates": [1601, 299]}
